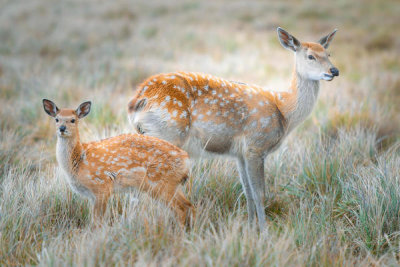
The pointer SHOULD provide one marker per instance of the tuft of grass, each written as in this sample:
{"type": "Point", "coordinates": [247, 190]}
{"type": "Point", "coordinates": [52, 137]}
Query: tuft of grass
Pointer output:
{"type": "Point", "coordinates": [120, 14]}
{"type": "Point", "coordinates": [386, 132]}
{"type": "Point", "coordinates": [380, 41]}
{"type": "Point", "coordinates": [102, 115]}
{"type": "Point", "coordinates": [375, 220]}
{"type": "Point", "coordinates": [149, 32]}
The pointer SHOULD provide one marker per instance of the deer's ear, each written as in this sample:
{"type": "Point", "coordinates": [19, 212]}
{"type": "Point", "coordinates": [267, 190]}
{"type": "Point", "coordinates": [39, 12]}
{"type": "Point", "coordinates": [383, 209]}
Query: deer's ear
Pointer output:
{"type": "Point", "coordinates": [326, 40]}
{"type": "Point", "coordinates": [83, 109]}
{"type": "Point", "coordinates": [50, 107]}
{"type": "Point", "coordinates": [287, 40]}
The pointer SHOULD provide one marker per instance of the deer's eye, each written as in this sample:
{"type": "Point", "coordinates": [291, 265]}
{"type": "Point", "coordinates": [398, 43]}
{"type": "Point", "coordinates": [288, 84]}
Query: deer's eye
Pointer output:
{"type": "Point", "coordinates": [73, 121]}
{"type": "Point", "coordinates": [311, 57]}
{"type": "Point", "coordinates": [57, 120]}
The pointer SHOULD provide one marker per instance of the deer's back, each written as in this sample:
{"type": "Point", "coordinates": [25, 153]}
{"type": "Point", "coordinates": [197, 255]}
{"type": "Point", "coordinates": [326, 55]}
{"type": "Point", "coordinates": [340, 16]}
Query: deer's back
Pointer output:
{"type": "Point", "coordinates": [207, 111]}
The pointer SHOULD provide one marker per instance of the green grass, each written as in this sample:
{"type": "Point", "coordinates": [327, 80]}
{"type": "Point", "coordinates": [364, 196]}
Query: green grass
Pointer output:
{"type": "Point", "coordinates": [333, 186]}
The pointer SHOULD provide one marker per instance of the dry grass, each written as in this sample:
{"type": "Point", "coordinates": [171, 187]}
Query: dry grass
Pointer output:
{"type": "Point", "coordinates": [334, 189]}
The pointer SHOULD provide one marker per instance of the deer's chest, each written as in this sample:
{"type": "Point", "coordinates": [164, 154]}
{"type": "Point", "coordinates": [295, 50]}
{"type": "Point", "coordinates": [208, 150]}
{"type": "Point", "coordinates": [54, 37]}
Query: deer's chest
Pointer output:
{"type": "Point", "coordinates": [77, 186]}
{"type": "Point", "coordinates": [64, 160]}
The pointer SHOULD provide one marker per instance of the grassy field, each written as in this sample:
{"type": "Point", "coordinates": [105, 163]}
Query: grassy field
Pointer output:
{"type": "Point", "coordinates": [334, 185]}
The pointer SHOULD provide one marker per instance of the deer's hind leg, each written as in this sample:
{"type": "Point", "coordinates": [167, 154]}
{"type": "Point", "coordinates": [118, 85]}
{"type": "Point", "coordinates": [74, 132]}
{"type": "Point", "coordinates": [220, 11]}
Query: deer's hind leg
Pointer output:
{"type": "Point", "coordinates": [173, 196]}
{"type": "Point", "coordinates": [185, 206]}
{"type": "Point", "coordinates": [100, 206]}
{"type": "Point", "coordinates": [244, 179]}
{"type": "Point", "coordinates": [255, 171]}
{"type": "Point", "coordinates": [166, 190]}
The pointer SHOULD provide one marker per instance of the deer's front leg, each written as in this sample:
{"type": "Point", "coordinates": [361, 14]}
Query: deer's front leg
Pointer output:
{"type": "Point", "coordinates": [255, 172]}
{"type": "Point", "coordinates": [99, 208]}
{"type": "Point", "coordinates": [247, 189]}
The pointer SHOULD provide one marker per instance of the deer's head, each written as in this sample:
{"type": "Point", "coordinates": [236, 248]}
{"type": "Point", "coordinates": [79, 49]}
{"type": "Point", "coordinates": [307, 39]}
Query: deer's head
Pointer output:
{"type": "Point", "coordinates": [312, 59]}
{"type": "Point", "coordinates": [66, 119]}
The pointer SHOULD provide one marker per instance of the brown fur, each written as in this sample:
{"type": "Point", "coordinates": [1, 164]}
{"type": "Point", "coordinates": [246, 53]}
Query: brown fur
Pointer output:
{"type": "Point", "coordinates": [97, 169]}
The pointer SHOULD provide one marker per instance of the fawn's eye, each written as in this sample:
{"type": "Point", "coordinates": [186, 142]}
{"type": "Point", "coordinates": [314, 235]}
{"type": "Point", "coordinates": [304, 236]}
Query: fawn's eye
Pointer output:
{"type": "Point", "coordinates": [57, 120]}
{"type": "Point", "coordinates": [73, 121]}
{"type": "Point", "coordinates": [311, 57]}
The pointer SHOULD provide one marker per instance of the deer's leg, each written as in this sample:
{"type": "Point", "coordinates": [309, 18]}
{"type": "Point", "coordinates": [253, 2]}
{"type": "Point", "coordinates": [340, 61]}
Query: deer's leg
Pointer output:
{"type": "Point", "coordinates": [168, 192]}
{"type": "Point", "coordinates": [183, 204]}
{"type": "Point", "coordinates": [244, 179]}
{"type": "Point", "coordinates": [255, 172]}
{"type": "Point", "coordinates": [100, 206]}
{"type": "Point", "coordinates": [174, 197]}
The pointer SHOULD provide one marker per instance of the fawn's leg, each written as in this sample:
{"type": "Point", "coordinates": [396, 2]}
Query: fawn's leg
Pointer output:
{"type": "Point", "coordinates": [100, 206]}
{"type": "Point", "coordinates": [169, 193]}
{"type": "Point", "coordinates": [174, 197]}
{"type": "Point", "coordinates": [186, 206]}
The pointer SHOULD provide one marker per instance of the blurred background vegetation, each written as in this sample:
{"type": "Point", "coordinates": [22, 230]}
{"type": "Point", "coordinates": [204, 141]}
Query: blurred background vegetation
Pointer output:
{"type": "Point", "coordinates": [334, 184]}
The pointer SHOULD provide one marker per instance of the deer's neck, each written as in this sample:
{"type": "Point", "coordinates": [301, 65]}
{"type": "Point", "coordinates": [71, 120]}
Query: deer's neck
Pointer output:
{"type": "Point", "coordinates": [69, 154]}
{"type": "Point", "coordinates": [296, 104]}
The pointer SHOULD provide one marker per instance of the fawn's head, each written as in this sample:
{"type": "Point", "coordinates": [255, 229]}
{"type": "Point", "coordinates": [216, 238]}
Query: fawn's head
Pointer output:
{"type": "Point", "coordinates": [312, 59]}
{"type": "Point", "coordinates": [66, 119]}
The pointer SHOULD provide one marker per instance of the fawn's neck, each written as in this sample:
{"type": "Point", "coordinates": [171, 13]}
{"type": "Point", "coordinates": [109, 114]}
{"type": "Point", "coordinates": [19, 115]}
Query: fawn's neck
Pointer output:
{"type": "Point", "coordinates": [69, 153]}
{"type": "Point", "coordinates": [298, 103]}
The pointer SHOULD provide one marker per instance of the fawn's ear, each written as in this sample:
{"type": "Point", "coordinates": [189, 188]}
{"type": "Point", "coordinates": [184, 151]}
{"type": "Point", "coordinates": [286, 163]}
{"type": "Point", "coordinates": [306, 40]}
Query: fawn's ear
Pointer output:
{"type": "Point", "coordinates": [50, 107]}
{"type": "Point", "coordinates": [83, 109]}
{"type": "Point", "coordinates": [287, 40]}
{"type": "Point", "coordinates": [326, 40]}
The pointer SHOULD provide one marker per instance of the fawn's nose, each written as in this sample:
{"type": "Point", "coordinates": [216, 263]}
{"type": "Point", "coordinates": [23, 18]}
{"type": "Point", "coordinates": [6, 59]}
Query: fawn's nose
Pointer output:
{"type": "Point", "coordinates": [62, 128]}
{"type": "Point", "coordinates": [334, 71]}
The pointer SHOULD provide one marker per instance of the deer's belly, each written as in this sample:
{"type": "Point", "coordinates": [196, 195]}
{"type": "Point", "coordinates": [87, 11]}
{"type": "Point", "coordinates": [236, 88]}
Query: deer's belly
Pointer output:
{"type": "Point", "coordinates": [209, 136]}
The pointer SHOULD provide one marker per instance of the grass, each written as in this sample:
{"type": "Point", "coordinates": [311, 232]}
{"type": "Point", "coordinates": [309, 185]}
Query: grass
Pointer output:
{"type": "Point", "coordinates": [333, 186]}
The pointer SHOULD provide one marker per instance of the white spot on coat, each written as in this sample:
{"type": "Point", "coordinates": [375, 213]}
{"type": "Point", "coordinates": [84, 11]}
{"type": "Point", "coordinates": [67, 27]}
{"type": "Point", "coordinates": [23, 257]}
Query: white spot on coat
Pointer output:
{"type": "Point", "coordinates": [100, 181]}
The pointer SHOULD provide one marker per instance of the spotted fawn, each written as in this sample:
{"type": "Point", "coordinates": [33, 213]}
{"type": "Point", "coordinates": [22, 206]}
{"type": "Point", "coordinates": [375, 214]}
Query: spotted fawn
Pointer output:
{"type": "Point", "coordinates": [97, 169]}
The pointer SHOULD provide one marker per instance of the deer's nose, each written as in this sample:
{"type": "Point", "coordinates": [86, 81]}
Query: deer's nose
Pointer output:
{"type": "Point", "coordinates": [334, 71]}
{"type": "Point", "coordinates": [62, 128]}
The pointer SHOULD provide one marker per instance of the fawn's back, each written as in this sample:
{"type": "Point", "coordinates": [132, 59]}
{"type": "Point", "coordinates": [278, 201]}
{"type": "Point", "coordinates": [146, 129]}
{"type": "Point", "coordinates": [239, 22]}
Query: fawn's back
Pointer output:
{"type": "Point", "coordinates": [133, 156]}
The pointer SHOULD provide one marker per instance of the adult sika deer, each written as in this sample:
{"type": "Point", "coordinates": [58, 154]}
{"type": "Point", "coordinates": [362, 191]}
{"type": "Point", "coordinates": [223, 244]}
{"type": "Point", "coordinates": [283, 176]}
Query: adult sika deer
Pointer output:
{"type": "Point", "coordinates": [97, 169]}
{"type": "Point", "coordinates": [201, 112]}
